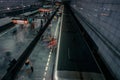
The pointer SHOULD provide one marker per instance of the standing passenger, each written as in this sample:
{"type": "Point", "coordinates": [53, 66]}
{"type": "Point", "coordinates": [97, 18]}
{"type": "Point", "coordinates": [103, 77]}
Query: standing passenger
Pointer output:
{"type": "Point", "coordinates": [41, 24]}
{"type": "Point", "coordinates": [29, 67]}
{"type": "Point", "coordinates": [14, 33]}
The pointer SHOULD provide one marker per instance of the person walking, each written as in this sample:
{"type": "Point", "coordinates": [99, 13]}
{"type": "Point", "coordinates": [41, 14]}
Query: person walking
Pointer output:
{"type": "Point", "coordinates": [14, 33]}
{"type": "Point", "coordinates": [41, 24]}
{"type": "Point", "coordinates": [29, 67]}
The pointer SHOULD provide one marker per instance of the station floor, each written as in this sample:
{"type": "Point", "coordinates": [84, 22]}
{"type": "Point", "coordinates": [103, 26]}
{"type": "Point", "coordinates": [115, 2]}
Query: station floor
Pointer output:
{"type": "Point", "coordinates": [12, 46]}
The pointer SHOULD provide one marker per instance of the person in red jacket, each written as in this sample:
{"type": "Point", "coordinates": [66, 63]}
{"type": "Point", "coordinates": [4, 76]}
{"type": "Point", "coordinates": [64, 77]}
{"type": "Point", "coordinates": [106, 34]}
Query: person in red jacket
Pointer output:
{"type": "Point", "coordinates": [52, 43]}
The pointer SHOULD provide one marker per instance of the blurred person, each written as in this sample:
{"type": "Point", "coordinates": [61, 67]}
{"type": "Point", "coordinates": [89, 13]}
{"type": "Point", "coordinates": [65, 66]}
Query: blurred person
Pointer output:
{"type": "Point", "coordinates": [32, 25]}
{"type": "Point", "coordinates": [21, 34]}
{"type": "Point", "coordinates": [8, 57]}
{"type": "Point", "coordinates": [41, 24]}
{"type": "Point", "coordinates": [52, 43]}
{"type": "Point", "coordinates": [29, 67]}
{"type": "Point", "coordinates": [14, 33]}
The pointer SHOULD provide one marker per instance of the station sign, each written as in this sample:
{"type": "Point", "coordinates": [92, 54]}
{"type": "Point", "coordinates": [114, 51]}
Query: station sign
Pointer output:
{"type": "Point", "coordinates": [20, 21]}
{"type": "Point", "coordinates": [44, 10]}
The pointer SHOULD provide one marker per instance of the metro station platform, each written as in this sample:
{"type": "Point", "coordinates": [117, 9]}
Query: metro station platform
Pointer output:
{"type": "Point", "coordinates": [70, 59]}
{"type": "Point", "coordinates": [14, 44]}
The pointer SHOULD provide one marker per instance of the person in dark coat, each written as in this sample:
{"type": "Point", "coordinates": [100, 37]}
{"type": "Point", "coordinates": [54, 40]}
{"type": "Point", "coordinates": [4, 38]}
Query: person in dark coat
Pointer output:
{"type": "Point", "coordinates": [29, 66]}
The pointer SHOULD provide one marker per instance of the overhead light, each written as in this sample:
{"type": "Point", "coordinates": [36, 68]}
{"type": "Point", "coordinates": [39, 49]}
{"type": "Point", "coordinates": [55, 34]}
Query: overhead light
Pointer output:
{"type": "Point", "coordinates": [81, 8]}
{"type": "Point", "coordinates": [8, 8]}
{"type": "Point", "coordinates": [1, 1]}
{"type": "Point", "coordinates": [17, 7]}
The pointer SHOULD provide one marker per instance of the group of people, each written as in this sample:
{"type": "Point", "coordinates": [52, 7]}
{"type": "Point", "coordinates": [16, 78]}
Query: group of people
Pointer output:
{"type": "Point", "coordinates": [46, 16]}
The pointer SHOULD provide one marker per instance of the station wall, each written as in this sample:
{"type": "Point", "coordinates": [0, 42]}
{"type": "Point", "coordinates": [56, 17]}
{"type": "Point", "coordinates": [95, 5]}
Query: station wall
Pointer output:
{"type": "Point", "coordinates": [101, 19]}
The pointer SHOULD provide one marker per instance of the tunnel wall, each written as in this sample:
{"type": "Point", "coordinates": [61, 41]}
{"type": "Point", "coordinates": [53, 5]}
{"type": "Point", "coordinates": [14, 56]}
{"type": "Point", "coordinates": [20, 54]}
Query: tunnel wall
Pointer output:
{"type": "Point", "coordinates": [101, 19]}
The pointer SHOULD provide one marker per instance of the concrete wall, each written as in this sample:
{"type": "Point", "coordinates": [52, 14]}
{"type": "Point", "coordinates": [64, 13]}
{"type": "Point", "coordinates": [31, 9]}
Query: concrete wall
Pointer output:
{"type": "Point", "coordinates": [101, 19]}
